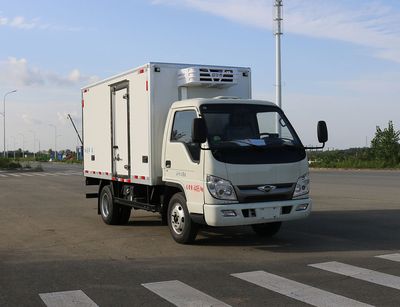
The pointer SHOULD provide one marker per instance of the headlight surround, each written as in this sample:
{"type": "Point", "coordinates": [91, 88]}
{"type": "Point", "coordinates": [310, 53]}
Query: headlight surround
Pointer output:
{"type": "Point", "coordinates": [302, 186]}
{"type": "Point", "coordinates": [220, 188]}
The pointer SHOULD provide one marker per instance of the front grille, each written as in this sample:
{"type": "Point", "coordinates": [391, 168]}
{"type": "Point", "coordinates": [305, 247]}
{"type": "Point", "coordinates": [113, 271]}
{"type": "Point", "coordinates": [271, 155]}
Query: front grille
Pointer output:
{"type": "Point", "coordinates": [251, 193]}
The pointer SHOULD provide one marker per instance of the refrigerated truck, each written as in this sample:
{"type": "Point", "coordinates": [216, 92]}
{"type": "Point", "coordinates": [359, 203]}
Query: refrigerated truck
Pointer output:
{"type": "Point", "coordinates": [189, 142]}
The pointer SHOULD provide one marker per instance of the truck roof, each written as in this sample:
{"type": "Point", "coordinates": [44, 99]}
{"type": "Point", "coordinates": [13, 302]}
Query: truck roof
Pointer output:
{"type": "Point", "coordinates": [197, 102]}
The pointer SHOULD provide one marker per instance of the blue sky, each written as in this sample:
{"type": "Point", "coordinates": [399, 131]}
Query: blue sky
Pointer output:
{"type": "Point", "coordinates": [341, 59]}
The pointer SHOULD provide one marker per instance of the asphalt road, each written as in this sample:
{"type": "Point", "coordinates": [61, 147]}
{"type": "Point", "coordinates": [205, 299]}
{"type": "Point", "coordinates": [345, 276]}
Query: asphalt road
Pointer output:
{"type": "Point", "coordinates": [52, 240]}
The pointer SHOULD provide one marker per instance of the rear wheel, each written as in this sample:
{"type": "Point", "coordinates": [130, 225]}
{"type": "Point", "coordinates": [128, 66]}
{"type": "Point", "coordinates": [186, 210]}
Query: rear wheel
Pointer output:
{"type": "Point", "coordinates": [110, 212]}
{"type": "Point", "coordinates": [181, 226]}
{"type": "Point", "coordinates": [267, 229]}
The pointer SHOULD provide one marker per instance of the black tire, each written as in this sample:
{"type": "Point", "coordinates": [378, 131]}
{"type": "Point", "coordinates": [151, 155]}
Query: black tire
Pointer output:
{"type": "Point", "coordinates": [124, 215]}
{"type": "Point", "coordinates": [181, 226]}
{"type": "Point", "coordinates": [267, 229]}
{"type": "Point", "coordinates": [109, 210]}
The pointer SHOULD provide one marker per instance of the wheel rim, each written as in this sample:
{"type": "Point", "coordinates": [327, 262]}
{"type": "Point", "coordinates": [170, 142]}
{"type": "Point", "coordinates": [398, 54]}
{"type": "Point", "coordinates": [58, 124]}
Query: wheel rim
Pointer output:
{"type": "Point", "coordinates": [105, 205]}
{"type": "Point", "coordinates": [178, 218]}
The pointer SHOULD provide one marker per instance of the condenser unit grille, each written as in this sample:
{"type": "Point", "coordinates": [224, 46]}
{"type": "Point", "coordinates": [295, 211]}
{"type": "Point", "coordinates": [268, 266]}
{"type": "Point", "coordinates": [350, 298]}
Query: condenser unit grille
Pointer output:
{"type": "Point", "coordinates": [203, 76]}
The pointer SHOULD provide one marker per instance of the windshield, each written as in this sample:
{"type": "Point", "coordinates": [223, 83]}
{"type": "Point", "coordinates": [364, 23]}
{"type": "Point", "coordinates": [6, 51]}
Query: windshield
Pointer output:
{"type": "Point", "coordinates": [251, 134]}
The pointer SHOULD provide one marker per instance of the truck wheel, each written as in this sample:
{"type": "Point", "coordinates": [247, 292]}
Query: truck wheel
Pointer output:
{"type": "Point", "coordinates": [124, 215]}
{"type": "Point", "coordinates": [267, 229]}
{"type": "Point", "coordinates": [110, 212]}
{"type": "Point", "coordinates": [181, 226]}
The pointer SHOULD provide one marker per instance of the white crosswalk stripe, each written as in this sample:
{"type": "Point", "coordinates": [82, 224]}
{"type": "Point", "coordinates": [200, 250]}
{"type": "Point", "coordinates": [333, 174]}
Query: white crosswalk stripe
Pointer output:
{"type": "Point", "coordinates": [371, 276]}
{"type": "Point", "coordinates": [392, 257]}
{"type": "Point", "coordinates": [67, 299]}
{"type": "Point", "coordinates": [15, 175]}
{"type": "Point", "coordinates": [296, 290]}
{"type": "Point", "coordinates": [180, 294]}
{"type": "Point", "coordinates": [50, 174]}
{"type": "Point", "coordinates": [42, 174]}
{"type": "Point", "coordinates": [27, 174]}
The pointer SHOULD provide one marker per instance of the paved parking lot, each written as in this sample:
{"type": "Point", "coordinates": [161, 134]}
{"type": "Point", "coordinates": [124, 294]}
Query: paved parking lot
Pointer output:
{"type": "Point", "coordinates": [55, 249]}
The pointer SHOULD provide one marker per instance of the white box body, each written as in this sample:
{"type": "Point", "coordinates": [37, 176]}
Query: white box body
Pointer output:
{"type": "Point", "coordinates": [133, 117]}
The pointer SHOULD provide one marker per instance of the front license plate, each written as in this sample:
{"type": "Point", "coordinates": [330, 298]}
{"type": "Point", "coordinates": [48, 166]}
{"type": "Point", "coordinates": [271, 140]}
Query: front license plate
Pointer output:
{"type": "Point", "coordinates": [268, 213]}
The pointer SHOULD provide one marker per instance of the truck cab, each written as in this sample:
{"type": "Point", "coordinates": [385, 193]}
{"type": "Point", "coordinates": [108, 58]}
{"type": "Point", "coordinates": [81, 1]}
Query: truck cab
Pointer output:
{"type": "Point", "coordinates": [239, 162]}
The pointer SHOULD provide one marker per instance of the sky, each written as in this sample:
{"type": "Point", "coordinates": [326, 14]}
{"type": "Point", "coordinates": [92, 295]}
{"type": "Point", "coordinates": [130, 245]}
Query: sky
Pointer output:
{"type": "Point", "coordinates": [340, 59]}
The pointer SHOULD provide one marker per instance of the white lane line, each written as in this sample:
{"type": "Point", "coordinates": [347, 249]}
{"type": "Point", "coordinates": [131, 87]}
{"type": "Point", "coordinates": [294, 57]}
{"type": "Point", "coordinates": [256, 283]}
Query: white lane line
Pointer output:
{"type": "Point", "coordinates": [1, 175]}
{"type": "Point", "coordinates": [371, 276]}
{"type": "Point", "coordinates": [180, 294]}
{"type": "Point", "coordinates": [296, 290]}
{"type": "Point", "coordinates": [393, 257]}
{"type": "Point", "coordinates": [67, 299]}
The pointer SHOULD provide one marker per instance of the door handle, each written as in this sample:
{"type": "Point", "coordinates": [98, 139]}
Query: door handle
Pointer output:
{"type": "Point", "coordinates": [167, 163]}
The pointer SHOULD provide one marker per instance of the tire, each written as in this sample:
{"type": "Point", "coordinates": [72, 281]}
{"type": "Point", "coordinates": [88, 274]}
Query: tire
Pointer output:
{"type": "Point", "coordinates": [110, 212]}
{"type": "Point", "coordinates": [267, 229]}
{"type": "Point", "coordinates": [181, 226]}
{"type": "Point", "coordinates": [124, 215]}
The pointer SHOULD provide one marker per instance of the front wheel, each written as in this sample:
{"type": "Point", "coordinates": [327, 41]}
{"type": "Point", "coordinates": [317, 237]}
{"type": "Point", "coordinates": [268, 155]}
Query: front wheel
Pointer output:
{"type": "Point", "coordinates": [181, 226]}
{"type": "Point", "coordinates": [267, 229]}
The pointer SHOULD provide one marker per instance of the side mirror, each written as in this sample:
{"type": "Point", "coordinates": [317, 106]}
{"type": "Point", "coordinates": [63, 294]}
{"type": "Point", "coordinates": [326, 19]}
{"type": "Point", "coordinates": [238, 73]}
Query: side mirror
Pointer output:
{"type": "Point", "coordinates": [199, 130]}
{"type": "Point", "coordinates": [322, 132]}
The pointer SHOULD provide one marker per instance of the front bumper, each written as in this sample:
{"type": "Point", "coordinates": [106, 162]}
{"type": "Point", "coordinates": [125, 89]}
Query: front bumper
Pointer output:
{"type": "Point", "coordinates": [256, 213]}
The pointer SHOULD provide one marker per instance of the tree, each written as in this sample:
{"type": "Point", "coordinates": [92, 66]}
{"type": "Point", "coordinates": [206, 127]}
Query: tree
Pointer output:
{"type": "Point", "coordinates": [385, 145]}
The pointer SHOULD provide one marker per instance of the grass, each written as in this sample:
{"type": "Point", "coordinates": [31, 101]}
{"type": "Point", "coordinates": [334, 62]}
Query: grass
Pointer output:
{"type": "Point", "coordinates": [9, 164]}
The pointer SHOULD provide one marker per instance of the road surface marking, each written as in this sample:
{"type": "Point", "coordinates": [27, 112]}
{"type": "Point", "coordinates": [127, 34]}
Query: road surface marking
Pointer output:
{"type": "Point", "coordinates": [40, 174]}
{"type": "Point", "coordinates": [67, 299]}
{"type": "Point", "coordinates": [375, 277]}
{"type": "Point", "coordinates": [1, 175]}
{"type": "Point", "coordinates": [180, 294]}
{"type": "Point", "coordinates": [393, 257]}
{"type": "Point", "coordinates": [26, 174]}
{"type": "Point", "coordinates": [50, 174]}
{"type": "Point", "coordinates": [296, 290]}
{"type": "Point", "coordinates": [14, 175]}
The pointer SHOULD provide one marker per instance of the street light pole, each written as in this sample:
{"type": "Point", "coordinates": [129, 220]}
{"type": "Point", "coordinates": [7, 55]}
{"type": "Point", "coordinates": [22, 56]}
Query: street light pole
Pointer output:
{"type": "Point", "coordinates": [13, 137]}
{"type": "Point", "coordinates": [278, 32]}
{"type": "Point", "coordinates": [34, 143]}
{"type": "Point", "coordinates": [23, 143]}
{"type": "Point", "coordinates": [4, 121]}
{"type": "Point", "coordinates": [55, 140]}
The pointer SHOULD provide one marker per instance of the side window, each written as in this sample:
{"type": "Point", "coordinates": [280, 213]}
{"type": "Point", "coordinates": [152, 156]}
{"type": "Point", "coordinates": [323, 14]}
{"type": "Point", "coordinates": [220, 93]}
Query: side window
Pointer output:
{"type": "Point", "coordinates": [182, 132]}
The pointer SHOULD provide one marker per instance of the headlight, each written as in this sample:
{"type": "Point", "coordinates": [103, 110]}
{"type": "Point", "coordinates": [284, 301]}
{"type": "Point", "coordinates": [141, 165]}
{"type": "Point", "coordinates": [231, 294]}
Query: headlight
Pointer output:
{"type": "Point", "coordinates": [220, 188]}
{"type": "Point", "coordinates": [302, 186]}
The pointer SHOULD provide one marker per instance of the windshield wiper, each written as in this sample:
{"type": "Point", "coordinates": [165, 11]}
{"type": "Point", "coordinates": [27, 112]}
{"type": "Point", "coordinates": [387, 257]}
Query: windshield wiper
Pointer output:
{"type": "Point", "coordinates": [238, 142]}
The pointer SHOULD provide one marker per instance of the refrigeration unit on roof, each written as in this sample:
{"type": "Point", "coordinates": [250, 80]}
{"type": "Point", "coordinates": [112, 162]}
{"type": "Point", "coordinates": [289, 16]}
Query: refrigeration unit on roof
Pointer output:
{"type": "Point", "coordinates": [207, 76]}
